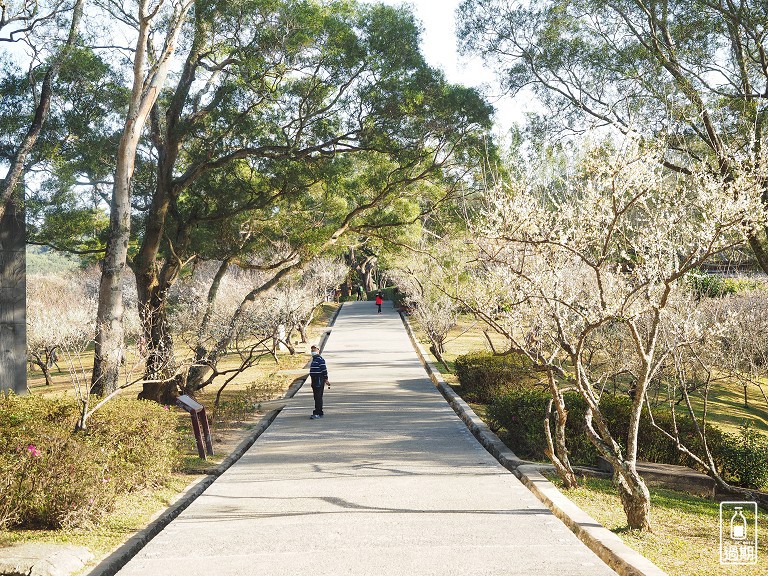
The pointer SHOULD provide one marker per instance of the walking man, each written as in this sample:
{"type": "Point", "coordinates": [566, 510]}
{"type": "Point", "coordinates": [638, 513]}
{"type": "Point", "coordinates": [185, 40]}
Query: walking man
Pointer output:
{"type": "Point", "coordinates": [379, 301]}
{"type": "Point", "coordinates": [319, 375]}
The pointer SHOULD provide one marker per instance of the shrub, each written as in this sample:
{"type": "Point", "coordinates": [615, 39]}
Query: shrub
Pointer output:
{"type": "Point", "coordinates": [712, 285]}
{"type": "Point", "coordinates": [521, 412]}
{"type": "Point", "coordinates": [482, 374]}
{"type": "Point", "coordinates": [745, 458]}
{"type": "Point", "coordinates": [51, 477]}
{"type": "Point", "coordinates": [716, 286]}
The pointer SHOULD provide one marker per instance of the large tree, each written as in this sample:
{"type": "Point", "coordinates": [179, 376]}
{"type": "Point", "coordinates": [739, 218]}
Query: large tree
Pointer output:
{"type": "Point", "coordinates": [287, 127]}
{"type": "Point", "coordinates": [604, 257]}
{"type": "Point", "coordinates": [694, 73]}
{"type": "Point", "coordinates": [44, 35]}
{"type": "Point", "coordinates": [253, 143]}
{"type": "Point", "coordinates": [150, 68]}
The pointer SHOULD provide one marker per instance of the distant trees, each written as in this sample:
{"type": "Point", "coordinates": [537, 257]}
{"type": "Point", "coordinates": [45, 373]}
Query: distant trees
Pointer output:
{"type": "Point", "coordinates": [61, 312]}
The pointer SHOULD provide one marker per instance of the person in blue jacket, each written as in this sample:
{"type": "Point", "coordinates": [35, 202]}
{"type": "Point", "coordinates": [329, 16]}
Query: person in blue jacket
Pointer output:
{"type": "Point", "coordinates": [318, 373]}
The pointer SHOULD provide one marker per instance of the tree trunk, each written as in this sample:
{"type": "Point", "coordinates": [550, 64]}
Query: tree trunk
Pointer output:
{"type": "Point", "coordinates": [164, 391]}
{"type": "Point", "coordinates": [109, 320]}
{"type": "Point", "coordinates": [44, 367]}
{"type": "Point", "coordinates": [368, 270]}
{"type": "Point", "coordinates": [13, 312]}
{"type": "Point", "coordinates": [632, 490]}
{"type": "Point", "coordinates": [152, 286]}
{"type": "Point", "coordinates": [13, 332]}
{"type": "Point", "coordinates": [160, 362]}
{"type": "Point", "coordinates": [109, 342]}
{"type": "Point", "coordinates": [557, 449]}
{"type": "Point", "coordinates": [758, 242]}
{"type": "Point", "coordinates": [634, 495]}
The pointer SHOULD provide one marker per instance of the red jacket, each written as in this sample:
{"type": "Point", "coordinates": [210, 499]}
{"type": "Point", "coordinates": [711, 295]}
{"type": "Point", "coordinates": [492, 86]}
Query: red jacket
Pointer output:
{"type": "Point", "coordinates": [379, 300]}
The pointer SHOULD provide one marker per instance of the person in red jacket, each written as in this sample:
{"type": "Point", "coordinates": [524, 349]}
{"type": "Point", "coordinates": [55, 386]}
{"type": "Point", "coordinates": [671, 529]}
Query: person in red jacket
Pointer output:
{"type": "Point", "coordinates": [379, 301]}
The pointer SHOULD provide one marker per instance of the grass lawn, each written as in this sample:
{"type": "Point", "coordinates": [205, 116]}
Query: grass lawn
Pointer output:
{"type": "Point", "coordinates": [686, 530]}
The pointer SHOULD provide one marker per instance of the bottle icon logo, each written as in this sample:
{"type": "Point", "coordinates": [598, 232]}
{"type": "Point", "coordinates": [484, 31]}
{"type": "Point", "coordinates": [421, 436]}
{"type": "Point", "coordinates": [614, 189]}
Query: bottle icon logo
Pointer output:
{"type": "Point", "coordinates": [738, 533]}
{"type": "Point", "coordinates": [738, 524]}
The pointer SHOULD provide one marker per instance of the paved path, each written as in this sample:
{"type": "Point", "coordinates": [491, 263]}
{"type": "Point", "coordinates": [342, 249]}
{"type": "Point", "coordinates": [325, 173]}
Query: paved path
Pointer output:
{"type": "Point", "coordinates": [389, 482]}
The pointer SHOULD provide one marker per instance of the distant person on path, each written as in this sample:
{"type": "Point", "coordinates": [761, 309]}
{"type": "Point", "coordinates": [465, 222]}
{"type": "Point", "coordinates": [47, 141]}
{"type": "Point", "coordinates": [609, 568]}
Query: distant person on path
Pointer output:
{"type": "Point", "coordinates": [360, 292]}
{"type": "Point", "coordinates": [379, 301]}
{"type": "Point", "coordinates": [319, 375]}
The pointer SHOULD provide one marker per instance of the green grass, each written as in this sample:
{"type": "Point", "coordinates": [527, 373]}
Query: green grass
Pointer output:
{"type": "Point", "coordinates": [726, 407]}
{"type": "Point", "coordinates": [685, 537]}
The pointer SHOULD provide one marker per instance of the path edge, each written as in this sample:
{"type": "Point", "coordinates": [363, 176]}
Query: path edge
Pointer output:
{"type": "Point", "coordinates": [119, 557]}
{"type": "Point", "coordinates": [607, 545]}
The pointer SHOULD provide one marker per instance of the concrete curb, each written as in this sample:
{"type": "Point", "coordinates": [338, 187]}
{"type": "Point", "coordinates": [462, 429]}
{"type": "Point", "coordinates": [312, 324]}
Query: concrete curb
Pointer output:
{"type": "Point", "coordinates": [607, 545]}
{"type": "Point", "coordinates": [120, 557]}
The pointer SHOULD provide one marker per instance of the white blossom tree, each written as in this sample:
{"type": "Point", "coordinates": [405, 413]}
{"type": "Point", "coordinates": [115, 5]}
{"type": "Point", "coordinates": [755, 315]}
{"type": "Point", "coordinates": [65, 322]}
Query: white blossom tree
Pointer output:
{"type": "Point", "coordinates": [604, 253]}
{"type": "Point", "coordinates": [60, 319]}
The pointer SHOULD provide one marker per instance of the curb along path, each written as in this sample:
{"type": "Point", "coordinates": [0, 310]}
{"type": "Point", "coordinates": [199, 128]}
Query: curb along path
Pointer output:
{"type": "Point", "coordinates": [390, 481]}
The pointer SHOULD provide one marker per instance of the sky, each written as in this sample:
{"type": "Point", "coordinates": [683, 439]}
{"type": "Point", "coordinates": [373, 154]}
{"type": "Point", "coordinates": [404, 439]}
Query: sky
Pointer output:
{"type": "Point", "coordinates": [439, 48]}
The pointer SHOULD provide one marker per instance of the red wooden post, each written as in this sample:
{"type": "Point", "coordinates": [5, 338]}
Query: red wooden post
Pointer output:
{"type": "Point", "coordinates": [197, 412]}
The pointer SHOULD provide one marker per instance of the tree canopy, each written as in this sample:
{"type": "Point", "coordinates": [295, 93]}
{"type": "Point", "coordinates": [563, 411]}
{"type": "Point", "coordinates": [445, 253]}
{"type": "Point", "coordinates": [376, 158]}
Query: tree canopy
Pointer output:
{"type": "Point", "coordinates": [692, 73]}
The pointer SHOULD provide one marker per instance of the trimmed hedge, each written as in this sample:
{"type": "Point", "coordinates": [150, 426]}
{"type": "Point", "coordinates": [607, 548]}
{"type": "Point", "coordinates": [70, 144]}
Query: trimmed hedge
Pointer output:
{"type": "Point", "coordinates": [745, 457]}
{"type": "Point", "coordinates": [483, 375]}
{"type": "Point", "coordinates": [51, 477]}
{"type": "Point", "coordinates": [521, 412]}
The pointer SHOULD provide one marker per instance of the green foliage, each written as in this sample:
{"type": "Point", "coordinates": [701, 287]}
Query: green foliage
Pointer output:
{"type": "Point", "coordinates": [716, 286]}
{"type": "Point", "coordinates": [42, 261]}
{"type": "Point", "coordinates": [520, 413]}
{"type": "Point", "coordinates": [388, 294]}
{"type": "Point", "coordinates": [484, 375]}
{"type": "Point", "coordinates": [745, 457]}
{"type": "Point", "coordinates": [51, 477]}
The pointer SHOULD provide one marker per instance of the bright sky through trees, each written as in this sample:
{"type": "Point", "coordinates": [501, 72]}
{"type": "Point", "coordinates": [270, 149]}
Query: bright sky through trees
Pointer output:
{"type": "Point", "coordinates": [438, 19]}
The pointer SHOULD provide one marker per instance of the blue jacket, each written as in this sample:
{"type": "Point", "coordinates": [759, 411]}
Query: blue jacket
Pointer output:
{"type": "Point", "coordinates": [317, 370]}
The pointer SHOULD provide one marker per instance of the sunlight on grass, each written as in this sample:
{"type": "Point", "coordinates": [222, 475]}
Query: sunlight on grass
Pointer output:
{"type": "Point", "coordinates": [685, 537]}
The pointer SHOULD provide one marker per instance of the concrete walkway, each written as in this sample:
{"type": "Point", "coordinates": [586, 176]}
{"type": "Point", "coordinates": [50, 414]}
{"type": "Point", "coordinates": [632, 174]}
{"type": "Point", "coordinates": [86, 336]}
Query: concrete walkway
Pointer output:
{"type": "Point", "coordinates": [389, 482]}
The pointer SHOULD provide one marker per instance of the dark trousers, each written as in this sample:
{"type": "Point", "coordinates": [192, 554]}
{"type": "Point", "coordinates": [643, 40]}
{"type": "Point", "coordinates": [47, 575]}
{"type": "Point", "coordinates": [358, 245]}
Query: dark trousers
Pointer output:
{"type": "Point", "coordinates": [379, 306]}
{"type": "Point", "coordinates": [317, 392]}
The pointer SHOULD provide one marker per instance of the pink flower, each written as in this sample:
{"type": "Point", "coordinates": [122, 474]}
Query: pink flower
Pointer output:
{"type": "Point", "coordinates": [33, 450]}
{"type": "Point", "coordinates": [166, 408]}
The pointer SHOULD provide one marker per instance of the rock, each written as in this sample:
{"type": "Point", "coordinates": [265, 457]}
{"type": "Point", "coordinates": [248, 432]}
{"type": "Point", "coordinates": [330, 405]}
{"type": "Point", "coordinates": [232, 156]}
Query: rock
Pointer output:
{"type": "Point", "coordinates": [42, 559]}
